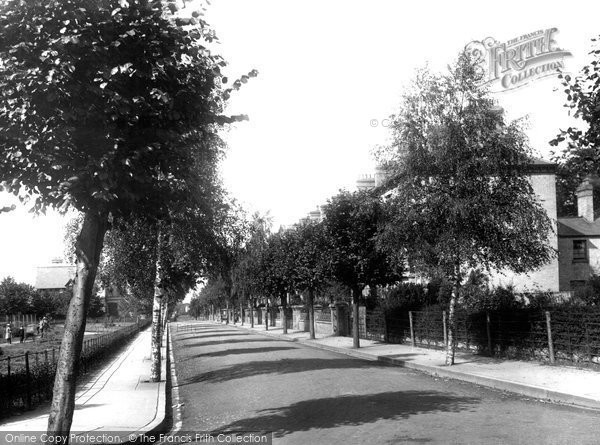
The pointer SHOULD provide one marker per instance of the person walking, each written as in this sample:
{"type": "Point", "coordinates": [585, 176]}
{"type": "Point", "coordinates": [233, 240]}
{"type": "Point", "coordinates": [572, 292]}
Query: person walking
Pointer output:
{"type": "Point", "coordinates": [8, 334]}
{"type": "Point", "coordinates": [22, 333]}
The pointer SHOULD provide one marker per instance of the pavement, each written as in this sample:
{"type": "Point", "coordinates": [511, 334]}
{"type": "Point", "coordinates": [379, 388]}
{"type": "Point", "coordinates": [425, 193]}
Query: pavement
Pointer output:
{"type": "Point", "coordinates": [554, 383]}
{"type": "Point", "coordinates": [117, 400]}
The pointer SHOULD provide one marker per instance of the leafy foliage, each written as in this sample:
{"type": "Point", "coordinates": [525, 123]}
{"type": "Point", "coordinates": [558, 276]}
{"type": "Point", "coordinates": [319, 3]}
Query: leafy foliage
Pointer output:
{"type": "Point", "coordinates": [462, 198]}
{"type": "Point", "coordinates": [312, 261]}
{"type": "Point", "coordinates": [581, 156]}
{"type": "Point", "coordinates": [277, 264]}
{"type": "Point", "coordinates": [107, 105]}
{"type": "Point", "coordinates": [17, 297]}
{"type": "Point", "coordinates": [351, 224]}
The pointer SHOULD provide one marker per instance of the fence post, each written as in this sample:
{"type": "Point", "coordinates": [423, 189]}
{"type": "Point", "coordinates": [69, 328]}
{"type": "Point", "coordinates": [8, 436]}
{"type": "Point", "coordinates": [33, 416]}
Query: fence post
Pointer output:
{"type": "Point", "coordinates": [550, 344]}
{"type": "Point", "coordinates": [587, 343]}
{"type": "Point", "coordinates": [386, 337]}
{"type": "Point", "coordinates": [28, 380]}
{"type": "Point", "coordinates": [412, 331]}
{"type": "Point", "coordinates": [489, 334]}
{"type": "Point", "coordinates": [445, 328]}
{"type": "Point", "coordinates": [9, 388]}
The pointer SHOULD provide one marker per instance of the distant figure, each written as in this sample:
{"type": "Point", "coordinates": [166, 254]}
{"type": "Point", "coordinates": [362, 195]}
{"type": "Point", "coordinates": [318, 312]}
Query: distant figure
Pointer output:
{"type": "Point", "coordinates": [22, 332]}
{"type": "Point", "coordinates": [43, 326]}
{"type": "Point", "coordinates": [8, 334]}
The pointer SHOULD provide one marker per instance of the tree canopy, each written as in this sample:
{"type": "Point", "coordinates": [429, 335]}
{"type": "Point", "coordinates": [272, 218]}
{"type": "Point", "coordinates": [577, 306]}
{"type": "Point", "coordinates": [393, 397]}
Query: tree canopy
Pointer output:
{"type": "Point", "coordinates": [112, 109]}
{"type": "Point", "coordinates": [461, 197]}
{"type": "Point", "coordinates": [581, 155]}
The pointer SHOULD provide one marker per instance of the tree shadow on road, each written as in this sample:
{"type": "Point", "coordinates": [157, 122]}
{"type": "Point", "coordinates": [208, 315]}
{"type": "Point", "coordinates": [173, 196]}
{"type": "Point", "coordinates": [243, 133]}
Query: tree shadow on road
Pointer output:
{"type": "Point", "coordinates": [203, 335]}
{"type": "Point", "coordinates": [401, 356]}
{"type": "Point", "coordinates": [227, 341]}
{"type": "Point", "coordinates": [351, 410]}
{"type": "Point", "coordinates": [241, 351]}
{"type": "Point", "coordinates": [283, 366]}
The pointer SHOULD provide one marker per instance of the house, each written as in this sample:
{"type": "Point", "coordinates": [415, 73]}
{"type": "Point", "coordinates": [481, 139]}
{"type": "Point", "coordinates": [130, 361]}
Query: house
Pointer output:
{"type": "Point", "coordinates": [55, 278]}
{"type": "Point", "coordinates": [579, 238]}
{"type": "Point", "coordinates": [542, 175]}
{"type": "Point", "coordinates": [113, 301]}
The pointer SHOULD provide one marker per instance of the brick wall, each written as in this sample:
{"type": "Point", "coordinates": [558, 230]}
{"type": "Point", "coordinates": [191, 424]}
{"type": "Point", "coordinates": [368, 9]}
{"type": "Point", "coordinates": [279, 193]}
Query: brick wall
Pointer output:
{"type": "Point", "coordinates": [577, 271]}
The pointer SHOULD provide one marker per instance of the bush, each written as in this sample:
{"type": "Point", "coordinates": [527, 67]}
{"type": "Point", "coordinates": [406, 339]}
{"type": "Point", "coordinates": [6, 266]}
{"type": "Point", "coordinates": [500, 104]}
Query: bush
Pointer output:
{"type": "Point", "coordinates": [406, 296]}
{"type": "Point", "coordinates": [589, 293]}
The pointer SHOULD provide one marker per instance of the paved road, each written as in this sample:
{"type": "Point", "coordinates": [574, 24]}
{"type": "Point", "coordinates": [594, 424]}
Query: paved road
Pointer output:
{"type": "Point", "coordinates": [234, 380]}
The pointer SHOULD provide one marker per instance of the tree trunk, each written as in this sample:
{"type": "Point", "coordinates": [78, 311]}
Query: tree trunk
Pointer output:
{"type": "Point", "coordinates": [251, 312]}
{"type": "Point", "coordinates": [311, 314]}
{"type": "Point", "coordinates": [451, 346]}
{"type": "Point", "coordinates": [355, 321]}
{"type": "Point", "coordinates": [284, 314]}
{"type": "Point", "coordinates": [165, 315]}
{"type": "Point", "coordinates": [157, 309]}
{"type": "Point", "coordinates": [155, 346]}
{"type": "Point", "coordinates": [89, 246]}
{"type": "Point", "coordinates": [267, 316]}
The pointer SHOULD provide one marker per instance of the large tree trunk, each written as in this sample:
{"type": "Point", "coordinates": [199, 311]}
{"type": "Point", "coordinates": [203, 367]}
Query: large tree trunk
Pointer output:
{"type": "Point", "coordinates": [311, 314]}
{"type": "Point", "coordinates": [156, 334]}
{"type": "Point", "coordinates": [89, 246]}
{"type": "Point", "coordinates": [451, 346]}
{"type": "Point", "coordinates": [251, 312]}
{"type": "Point", "coordinates": [355, 321]}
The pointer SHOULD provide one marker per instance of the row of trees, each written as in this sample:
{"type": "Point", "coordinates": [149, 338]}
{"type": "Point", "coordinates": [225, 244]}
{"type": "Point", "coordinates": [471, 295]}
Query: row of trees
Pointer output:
{"type": "Point", "coordinates": [457, 197]}
{"type": "Point", "coordinates": [308, 259]}
{"type": "Point", "coordinates": [113, 108]}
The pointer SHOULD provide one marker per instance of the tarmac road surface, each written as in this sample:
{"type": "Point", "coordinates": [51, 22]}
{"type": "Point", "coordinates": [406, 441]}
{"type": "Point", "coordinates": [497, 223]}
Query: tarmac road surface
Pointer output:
{"type": "Point", "coordinates": [233, 380]}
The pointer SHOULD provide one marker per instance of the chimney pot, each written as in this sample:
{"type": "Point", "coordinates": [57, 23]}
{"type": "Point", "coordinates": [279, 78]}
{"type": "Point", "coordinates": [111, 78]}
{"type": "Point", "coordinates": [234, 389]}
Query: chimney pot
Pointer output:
{"type": "Point", "coordinates": [585, 197]}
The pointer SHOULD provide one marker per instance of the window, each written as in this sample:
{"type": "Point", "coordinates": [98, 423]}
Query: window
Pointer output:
{"type": "Point", "coordinates": [580, 251]}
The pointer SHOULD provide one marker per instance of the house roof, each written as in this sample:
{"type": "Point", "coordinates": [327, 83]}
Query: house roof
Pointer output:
{"type": "Point", "coordinates": [56, 276]}
{"type": "Point", "coordinates": [534, 166]}
{"type": "Point", "coordinates": [578, 226]}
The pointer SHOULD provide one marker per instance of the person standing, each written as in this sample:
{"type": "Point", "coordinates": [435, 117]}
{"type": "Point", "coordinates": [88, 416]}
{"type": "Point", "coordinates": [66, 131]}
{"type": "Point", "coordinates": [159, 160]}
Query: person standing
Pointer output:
{"type": "Point", "coordinates": [22, 332]}
{"type": "Point", "coordinates": [8, 334]}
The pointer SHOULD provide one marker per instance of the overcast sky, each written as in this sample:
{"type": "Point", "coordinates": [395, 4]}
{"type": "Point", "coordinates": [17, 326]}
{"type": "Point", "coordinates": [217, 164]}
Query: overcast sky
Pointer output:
{"type": "Point", "coordinates": [328, 72]}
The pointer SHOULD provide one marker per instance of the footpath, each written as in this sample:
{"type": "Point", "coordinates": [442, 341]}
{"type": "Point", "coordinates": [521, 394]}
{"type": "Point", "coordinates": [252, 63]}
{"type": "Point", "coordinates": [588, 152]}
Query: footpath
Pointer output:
{"type": "Point", "coordinates": [554, 383]}
{"type": "Point", "coordinates": [114, 404]}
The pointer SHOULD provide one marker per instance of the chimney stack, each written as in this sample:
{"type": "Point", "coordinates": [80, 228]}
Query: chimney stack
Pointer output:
{"type": "Point", "coordinates": [585, 197]}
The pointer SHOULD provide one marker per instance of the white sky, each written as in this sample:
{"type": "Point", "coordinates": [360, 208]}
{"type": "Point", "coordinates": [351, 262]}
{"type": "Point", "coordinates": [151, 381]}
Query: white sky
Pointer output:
{"type": "Point", "coordinates": [327, 68]}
